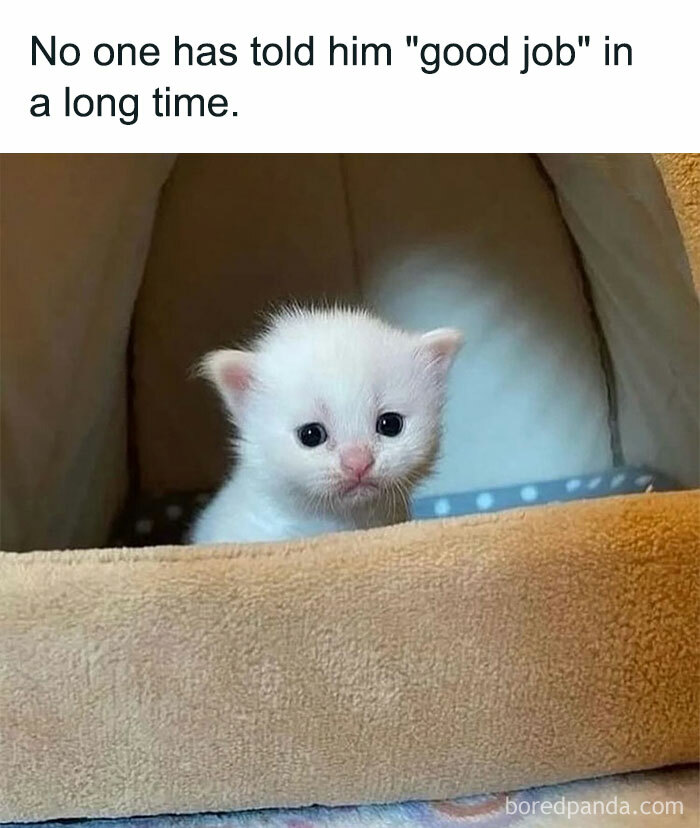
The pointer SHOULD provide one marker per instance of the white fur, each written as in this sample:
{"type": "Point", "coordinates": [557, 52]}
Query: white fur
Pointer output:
{"type": "Point", "coordinates": [342, 368]}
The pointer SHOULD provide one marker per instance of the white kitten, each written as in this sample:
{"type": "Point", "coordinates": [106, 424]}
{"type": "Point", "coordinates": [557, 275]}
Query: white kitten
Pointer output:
{"type": "Point", "coordinates": [338, 417]}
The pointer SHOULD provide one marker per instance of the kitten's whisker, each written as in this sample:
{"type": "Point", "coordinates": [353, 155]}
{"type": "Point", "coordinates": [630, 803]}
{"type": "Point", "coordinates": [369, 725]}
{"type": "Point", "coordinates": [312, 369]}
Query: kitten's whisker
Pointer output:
{"type": "Point", "coordinates": [392, 491]}
{"type": "Point", "coordinates": [404, 492]}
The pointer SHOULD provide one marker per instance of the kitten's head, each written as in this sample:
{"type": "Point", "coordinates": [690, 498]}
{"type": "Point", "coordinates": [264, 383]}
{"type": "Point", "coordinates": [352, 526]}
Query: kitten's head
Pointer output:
{"type": "Point", "coordinates": [335, 406]}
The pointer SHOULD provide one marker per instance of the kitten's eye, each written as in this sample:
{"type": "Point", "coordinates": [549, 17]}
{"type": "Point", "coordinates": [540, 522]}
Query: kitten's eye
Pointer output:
{"type": "Point", "coordinates": [312, 435]}
{"type": "Point", "coordinates": [389, 424]}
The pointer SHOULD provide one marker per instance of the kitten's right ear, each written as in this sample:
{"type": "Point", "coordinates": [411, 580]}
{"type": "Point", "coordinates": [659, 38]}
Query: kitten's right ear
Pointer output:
{"type": "Point", "coordinates": [232, 374]}
{"type": "Point", "coordinates": [442, 346]}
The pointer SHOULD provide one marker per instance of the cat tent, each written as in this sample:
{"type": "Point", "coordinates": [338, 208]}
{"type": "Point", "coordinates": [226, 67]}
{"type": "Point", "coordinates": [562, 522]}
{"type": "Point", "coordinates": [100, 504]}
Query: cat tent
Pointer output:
{"type": "Point", "coordinates": [425, 660]}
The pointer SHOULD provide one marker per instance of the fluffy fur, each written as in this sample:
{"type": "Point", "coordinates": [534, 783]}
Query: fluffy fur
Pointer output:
{"type": "Point", "coordinates": [343, 369]}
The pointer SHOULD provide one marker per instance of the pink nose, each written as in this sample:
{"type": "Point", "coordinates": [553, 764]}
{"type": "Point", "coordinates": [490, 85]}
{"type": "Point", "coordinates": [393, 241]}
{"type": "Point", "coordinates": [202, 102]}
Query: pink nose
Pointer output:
{"type": "Point", "coordinates": [356, 460]}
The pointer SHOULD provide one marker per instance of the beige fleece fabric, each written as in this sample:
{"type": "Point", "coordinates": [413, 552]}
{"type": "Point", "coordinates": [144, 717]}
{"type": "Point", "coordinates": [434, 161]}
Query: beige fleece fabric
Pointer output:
{"type": "Point", "coordinates": [424, 660]}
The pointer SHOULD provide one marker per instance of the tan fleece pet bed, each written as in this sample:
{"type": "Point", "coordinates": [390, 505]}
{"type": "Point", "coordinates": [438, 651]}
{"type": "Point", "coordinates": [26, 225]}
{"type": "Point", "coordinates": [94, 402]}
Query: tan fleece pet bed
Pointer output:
{"type": "Point", "coordinates": [427, 660]}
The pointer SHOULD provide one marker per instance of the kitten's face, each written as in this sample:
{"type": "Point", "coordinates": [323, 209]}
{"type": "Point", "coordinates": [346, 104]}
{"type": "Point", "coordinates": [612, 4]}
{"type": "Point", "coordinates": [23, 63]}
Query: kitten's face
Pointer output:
{"type": "Point", "coordinates": [341, 411]}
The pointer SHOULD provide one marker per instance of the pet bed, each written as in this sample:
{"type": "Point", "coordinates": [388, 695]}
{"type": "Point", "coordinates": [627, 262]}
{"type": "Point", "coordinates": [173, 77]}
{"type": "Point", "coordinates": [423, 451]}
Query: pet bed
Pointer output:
{"type": "Point", "coordinates": [657, 799]}
{"type": "Point", "coordinates": [434, 659]}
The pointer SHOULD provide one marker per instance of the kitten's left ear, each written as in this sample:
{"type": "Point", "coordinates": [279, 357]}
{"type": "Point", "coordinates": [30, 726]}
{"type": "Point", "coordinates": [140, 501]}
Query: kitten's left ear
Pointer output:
{"type": "Point", "coordinates": [232, 372]}
{"type": "Point", "coordinates": [442, 346]}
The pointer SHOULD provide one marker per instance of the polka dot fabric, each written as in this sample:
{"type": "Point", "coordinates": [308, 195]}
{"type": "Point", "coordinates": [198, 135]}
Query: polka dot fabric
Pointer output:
{"type": "Point", "coordinates": [616, 482]}
{"type": "Point", "coordinates": [165, 519]}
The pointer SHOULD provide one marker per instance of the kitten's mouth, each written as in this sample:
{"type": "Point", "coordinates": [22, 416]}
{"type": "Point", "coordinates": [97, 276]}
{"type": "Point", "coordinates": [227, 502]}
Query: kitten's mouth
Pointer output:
{"type": "Point", "coordinates": [357, 488]}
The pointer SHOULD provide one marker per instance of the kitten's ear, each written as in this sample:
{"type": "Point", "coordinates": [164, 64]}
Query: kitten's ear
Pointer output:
{"type": "Point", "coordinates": [232, 374]}
{"type": "Point", "coordinates": [442, 346]}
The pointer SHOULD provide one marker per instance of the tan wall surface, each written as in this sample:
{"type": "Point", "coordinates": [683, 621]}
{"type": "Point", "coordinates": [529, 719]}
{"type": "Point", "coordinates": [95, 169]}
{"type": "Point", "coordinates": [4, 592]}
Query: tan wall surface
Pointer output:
{"type": "Point", "coordinates": [75, 232]}
{"type": "Point", "coordinates": [620, 215]}
{"type": "Point", "coordinates": [681, 174]}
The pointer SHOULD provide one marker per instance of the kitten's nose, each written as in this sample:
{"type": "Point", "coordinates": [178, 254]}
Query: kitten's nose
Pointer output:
{"type": "Point", "coordinates": [356, 460]}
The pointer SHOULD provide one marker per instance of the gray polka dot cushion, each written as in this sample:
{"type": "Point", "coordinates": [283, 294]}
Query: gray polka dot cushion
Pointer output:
{"type": "Point", "coordinates": [619, 481]}
{"type": "Point", "coordinates": [165, 519]}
